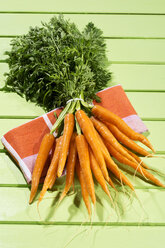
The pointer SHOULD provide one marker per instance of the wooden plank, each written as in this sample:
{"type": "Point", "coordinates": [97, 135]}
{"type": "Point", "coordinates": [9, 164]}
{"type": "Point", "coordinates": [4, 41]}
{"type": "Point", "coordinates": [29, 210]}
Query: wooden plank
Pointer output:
{"type": "Point", "coordinates": [18, 106]}
{"type": "Point", "coordinates": [128, 6]}
{"type": "Point", "coordinates": [131, 77]}
{"type": "Point", "coordinates": [3, 69]}
{"type": "Point", "coordinates": [11, 175]}
{"type": "Point", "coordinates": [9, 171]}
{"type": "Point", "coordinates": [61, 236]}
{"type": "Point", "coordinates": [143, 51]}
{"type": "Point", "coordinates": [4, 46]}
{"type": "Point", "coordinates": [139, 77]}
{"type": "Point", "coordinates": [134, 51]}
{"type": "Point", "coordinates": [142, 103]}
{"type": "Point", "coordinates": [111, 25]}
{"type": "Point", "coordinates": [148, 208]}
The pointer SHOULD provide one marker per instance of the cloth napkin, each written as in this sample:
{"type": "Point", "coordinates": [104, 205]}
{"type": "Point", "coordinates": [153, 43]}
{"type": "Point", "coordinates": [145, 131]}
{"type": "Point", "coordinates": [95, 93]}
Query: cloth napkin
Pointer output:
{"type": "Point", "coordinates": [23, 142]}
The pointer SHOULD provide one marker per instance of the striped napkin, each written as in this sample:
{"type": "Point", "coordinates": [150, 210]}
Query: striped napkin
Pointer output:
{"type": "Point", "coordinates": [23, 142]}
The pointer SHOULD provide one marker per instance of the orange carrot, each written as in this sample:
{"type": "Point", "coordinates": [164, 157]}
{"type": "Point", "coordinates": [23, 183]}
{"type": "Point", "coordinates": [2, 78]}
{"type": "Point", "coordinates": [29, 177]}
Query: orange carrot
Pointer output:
{"type": "Point", "coordinates": [105, 154]}
{"type": "Point", "coordinates": [52, 171]}
{"type": "Point", "coordinates": [70, 166]}
{"type": "Point", "coordinates": [106, 115]}
{"type": "Point", "coordinates": [87, 129]}
{"type": "Point", "coordinates": [111, 164]}
{"type": "Point", "coordinates": [117, 172]}
{"type": "Point", "coordinates": [84, 190]}
{"type": "Point", "coordinates": [108, 136]}
{"type": "Point", "coordinates": [137, 158]}
{"type": "Point", "coordinates": [139, 168]}
{"type": "Point", "coordinates": [113, 167]}
{"type": "Point", "coordinates": [67, 134]}
{"type": "Point", "coordinates": [126, 141]}
{"type": "Point", "coordinates": [45, 147]}
{"type": "Point", "coordinates": [98, 173]}
{"type": "Point", "coordinates": [83, 154]}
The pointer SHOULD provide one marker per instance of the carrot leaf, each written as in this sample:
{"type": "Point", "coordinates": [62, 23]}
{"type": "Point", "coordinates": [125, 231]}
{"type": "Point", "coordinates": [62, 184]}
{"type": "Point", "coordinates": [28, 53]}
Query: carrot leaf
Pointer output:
{"type": "Point", "coordinates": [56, 62]}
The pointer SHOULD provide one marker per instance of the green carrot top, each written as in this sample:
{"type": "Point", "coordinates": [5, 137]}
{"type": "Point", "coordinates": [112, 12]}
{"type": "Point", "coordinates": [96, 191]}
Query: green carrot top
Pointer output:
{"type": "Point", "coordinates": [56, 62]}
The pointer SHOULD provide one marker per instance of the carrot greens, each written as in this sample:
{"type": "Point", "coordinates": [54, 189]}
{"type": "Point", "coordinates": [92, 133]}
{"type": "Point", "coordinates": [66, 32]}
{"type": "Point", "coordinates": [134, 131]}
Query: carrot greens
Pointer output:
{"type": "Point", "coordinates": [56, 62]}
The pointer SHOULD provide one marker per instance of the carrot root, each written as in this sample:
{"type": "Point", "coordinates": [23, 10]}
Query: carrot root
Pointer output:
{"type": "Point", "coordinates": [45, 147]}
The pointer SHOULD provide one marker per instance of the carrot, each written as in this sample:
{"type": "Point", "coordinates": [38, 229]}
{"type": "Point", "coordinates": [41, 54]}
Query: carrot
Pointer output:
{"type": "Point", "coordinates": [126, 141]}
{"type": "Point", "coordinates": [105, 154]}
{"type": "Point", "coordinates": [137, 158]}
{"type": "Point", "coordinates": [45, 147]}
{"type": "Point", "coordinates": [106, 115]}
{"type": "Point", "coordinates": [87, 129]}
{"type": "Point", "coordinates": [98, 173]}
{"type": "Point", "coordinates": [52, 171]}
{"type": "Point", "coordinates": [139, 168]}
{"type": "Point", "coordinates": [117, 172]}
{"type": "Point", "coordinates": [108, 136]}
{"type": "Point", "coordinates": [113, 167]}
{"type": "Point", "coordinates": [70, 166]}
{"type": "Point", "coordinates": [84, 190]}
{"type": "Point", "coordinates": [52, 181]}
{"type": "Point", "coordinates": [67, 134]}
{"type": "Point", "coordinates": [83, 154]}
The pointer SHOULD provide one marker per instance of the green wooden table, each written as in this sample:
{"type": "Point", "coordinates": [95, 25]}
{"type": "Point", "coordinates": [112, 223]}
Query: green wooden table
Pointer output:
{"type": "Point", "coordinates": [135, 37]}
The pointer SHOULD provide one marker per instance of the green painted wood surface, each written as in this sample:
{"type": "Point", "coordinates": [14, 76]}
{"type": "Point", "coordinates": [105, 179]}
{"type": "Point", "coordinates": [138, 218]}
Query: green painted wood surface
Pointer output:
{"type": "Point", "coordinates": [135, 37]}
{"type": "Point", "coordinates": [144, 26]}
{"type": "Point", "coordinates": [80, 236]}
{"type": "Point", "coordinates": [128, 6]}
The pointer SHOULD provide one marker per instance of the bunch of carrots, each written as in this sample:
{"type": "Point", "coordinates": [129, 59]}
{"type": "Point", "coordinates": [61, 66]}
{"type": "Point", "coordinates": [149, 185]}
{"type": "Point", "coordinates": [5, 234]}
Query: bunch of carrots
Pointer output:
{"type": "Point", "coordinates": [86, 138]}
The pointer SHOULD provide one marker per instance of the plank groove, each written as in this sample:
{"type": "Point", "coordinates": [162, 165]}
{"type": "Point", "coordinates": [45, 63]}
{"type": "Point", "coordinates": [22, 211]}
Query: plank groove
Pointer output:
{"type": "Point", "coordinates": [94, 224]}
